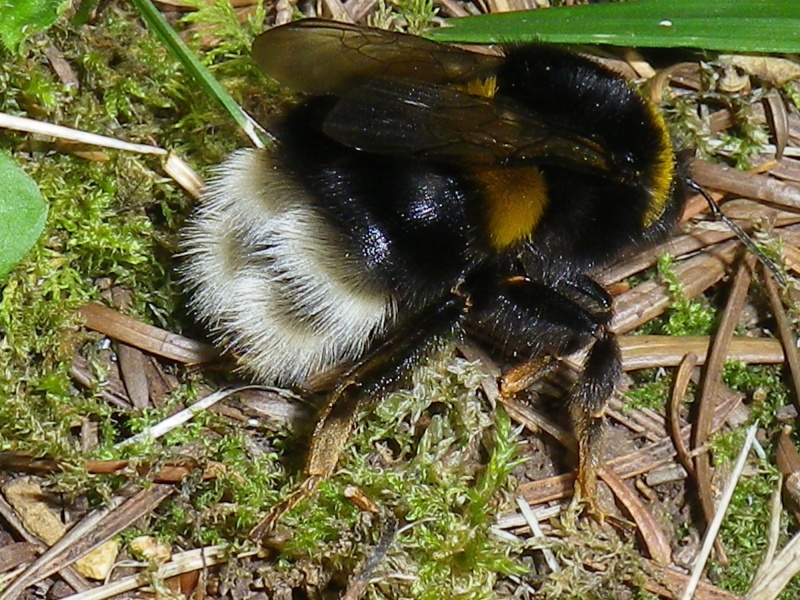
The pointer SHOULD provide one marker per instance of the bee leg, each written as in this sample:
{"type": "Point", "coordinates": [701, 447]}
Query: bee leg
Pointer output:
{"type": "Point", "coordinates": [541, 322]}
{"type": "Point", "coordinates": [587, 401]}
{"type": "Point", "coordinates": [380, 369]}
{"type": "Point", "coordinates": [522, 376]}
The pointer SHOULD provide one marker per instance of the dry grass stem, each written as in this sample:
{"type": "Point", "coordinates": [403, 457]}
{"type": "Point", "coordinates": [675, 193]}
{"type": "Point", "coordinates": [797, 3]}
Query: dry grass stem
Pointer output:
{"type": "Point", "coordinates": [679, 386]}
{"type": "Point", "coordinates": [636, 463]}
{"type": "Point", "coordinates": [191, 560]}
{"type": "Point", "coordinates": [779, 573]}
{"type": "Point", "coordinates": [650, 533]}
{"type": "Point", "coordinates": [536, 531]}
{"type": "Point", "coordinates": [67, 133]}
{"type": "Point", "coordinates": [773, 531]}
{"type": "Point", "coordinates": [146, 337]}
{"type": "Point", "coordinates": [362, 580]}
{"type": "Point", "coordinates": [786, 332]}
{"type": "Point", "coordinates": [757, 187]}
{"type": "Point", "coordinates": [716, 523]}
{"type": "Point", "coordinates": [167, 472]}
{"type": "Point", "coordinates": [709, 390]}
{"type": "Point", "coordinates": [654, 351]}
{"type": "Point", "coordinates": [180, 418]}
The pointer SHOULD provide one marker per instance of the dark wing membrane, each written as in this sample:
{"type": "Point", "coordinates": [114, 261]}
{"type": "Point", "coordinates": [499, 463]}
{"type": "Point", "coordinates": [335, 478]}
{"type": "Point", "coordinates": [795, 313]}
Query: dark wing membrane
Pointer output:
{"type": "Point", "coordinates": [411, 118]}
{"type": "Point", "coordinates": [325, 57]}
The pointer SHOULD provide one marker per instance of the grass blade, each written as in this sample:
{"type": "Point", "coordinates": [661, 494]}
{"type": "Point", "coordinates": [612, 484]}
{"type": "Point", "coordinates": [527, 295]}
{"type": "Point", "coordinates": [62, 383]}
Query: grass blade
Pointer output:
{"type": "Point", "coordinates": [725, 25]}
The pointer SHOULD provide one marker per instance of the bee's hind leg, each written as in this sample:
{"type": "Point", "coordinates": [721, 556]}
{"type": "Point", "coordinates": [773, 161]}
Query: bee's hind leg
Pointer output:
{"type": "Point", "coordinates": [379, 370]}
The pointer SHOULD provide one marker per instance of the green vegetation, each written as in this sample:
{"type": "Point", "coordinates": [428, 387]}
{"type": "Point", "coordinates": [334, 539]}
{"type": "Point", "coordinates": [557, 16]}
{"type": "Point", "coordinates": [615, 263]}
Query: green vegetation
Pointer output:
{"type": "Point", "coordinates": [112, 222]}
{"type": "Point", "coordinates": [685, 316]}
{"type": "Point", "coordinates": [412, 16]}
{"type": "Point", "coordinates": [692, 128]}
{"type": "Point", "coordinates": [23, 18]}
{"type": "Point", "coordinates": [421, 454]}
{"type": "Point", "coordinates": [728, 25]}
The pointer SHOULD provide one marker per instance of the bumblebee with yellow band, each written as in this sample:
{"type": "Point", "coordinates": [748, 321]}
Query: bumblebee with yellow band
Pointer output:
{"type": "Point", "coordinates": [420, 192]}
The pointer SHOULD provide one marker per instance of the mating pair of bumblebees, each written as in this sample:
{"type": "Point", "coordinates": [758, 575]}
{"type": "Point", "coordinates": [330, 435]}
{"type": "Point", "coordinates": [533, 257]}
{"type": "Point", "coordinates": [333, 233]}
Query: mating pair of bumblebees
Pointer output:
{"type": "Point", "coordinates": [419, 193]}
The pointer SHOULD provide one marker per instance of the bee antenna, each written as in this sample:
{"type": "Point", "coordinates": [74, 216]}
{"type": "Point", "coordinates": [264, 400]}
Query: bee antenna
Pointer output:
{"type": "Point", "coordinates": [746, 240]}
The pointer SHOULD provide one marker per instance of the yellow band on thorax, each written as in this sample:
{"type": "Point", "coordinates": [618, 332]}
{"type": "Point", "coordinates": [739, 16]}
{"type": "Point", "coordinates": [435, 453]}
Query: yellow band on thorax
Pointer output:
{"type": "Point", "coordinates": [514, 200]}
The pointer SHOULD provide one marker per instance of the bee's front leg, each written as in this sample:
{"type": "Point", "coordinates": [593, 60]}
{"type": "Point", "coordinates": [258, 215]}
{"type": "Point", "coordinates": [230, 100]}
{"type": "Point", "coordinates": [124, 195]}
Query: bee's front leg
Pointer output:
{"type": "Point", "coordinates": [587, 402]}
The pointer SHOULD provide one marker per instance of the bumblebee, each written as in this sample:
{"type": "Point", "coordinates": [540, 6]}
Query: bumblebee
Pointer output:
{"type": "Point", "coordinates": [421, 192]}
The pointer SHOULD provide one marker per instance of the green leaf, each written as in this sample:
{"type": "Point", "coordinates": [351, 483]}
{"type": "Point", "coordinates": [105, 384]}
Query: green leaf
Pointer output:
{"type": "Point", "coordinates": [726, 25]}
{"type": "Point", "coordinates": [22, 214]}
{"type": "Point", "coordinates": [21, 18]}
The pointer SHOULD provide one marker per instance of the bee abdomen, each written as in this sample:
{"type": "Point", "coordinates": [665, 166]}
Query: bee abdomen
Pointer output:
{"type": "Point", "coordinates": [271, 277]}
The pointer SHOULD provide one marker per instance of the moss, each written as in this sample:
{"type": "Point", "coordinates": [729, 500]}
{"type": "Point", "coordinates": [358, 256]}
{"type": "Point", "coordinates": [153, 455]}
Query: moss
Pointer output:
{"type": "Point", "coordinates": [411, 16]}
{"type": "Point", "coordinates": [791, 91]}
{"type": "Point", "coordinates": [112, 222]}
{"type": "Point", "coordinates": [765, 383]}
{"type": "Point", "coordinates": [652, 390]}
{"type": "Point", "coordinates": [690, 113]}
{"type": "Point", "coordinates": [685, 316]}
{"type": "Point", "coordinates": [432, 456]}
{"type": "Point", "coordinates": [617, 569]}
{"type": "Point", "coordinates": [744, 530]}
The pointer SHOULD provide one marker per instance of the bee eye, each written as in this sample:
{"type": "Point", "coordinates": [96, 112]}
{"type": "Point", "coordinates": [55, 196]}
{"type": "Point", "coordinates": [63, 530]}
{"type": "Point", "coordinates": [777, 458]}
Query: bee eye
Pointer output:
{"type": "Point", "coordinates": [626, 167]}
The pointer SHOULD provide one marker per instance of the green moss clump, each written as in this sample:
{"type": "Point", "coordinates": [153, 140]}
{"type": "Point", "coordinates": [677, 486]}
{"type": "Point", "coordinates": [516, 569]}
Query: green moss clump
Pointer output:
{"type": "Point", "coordinates": [432, 456]}
{"type": "Point", "coordinates": [112, 222]}
{"type": "Point", "coordinates": [685, 316]}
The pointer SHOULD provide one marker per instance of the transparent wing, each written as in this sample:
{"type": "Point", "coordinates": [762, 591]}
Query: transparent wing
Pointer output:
{"type": "Point", "coordinates": [325, 57]}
